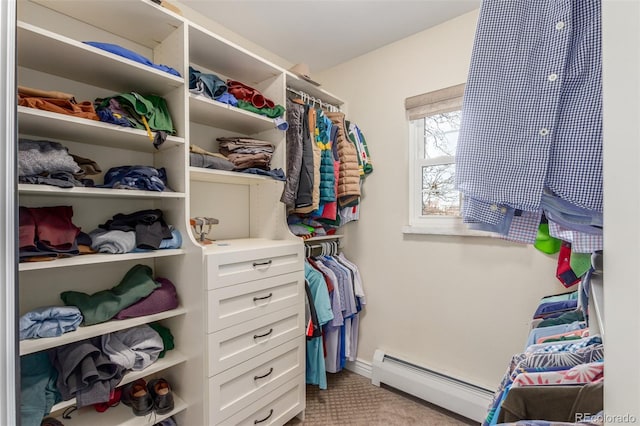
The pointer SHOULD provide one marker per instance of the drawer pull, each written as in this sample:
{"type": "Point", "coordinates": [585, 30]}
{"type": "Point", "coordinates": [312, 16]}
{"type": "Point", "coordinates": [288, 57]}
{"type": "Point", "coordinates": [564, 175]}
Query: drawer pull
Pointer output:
{"type": "Point", "coordinates": [267, 263]}
{"type": "Point", "coordinates": [255, 422]}
{"type": "Point", "coordinates": [257, 336]}
{"type": "Point", "coordinates": [264, 375]}
{"type": "Point", "coordinates": [255, 299]}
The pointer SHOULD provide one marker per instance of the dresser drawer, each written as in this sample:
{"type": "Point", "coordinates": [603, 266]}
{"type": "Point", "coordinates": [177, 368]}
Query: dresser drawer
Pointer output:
{"type": "Point", "coordinates": [276, 408]}
{"type": "Point", "coordinates": [229, 268]}
{"type": "Point", "coordinates": [233, 305]}
{"type": "Point", "coordinates": [242, 385]}
{"type": "Point", "coordinates": [241, 342]}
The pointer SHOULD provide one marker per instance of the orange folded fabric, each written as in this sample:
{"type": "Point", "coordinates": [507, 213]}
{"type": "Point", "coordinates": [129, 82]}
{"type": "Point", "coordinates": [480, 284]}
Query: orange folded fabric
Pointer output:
{"type": "Point", "coordinates": [61, 106]}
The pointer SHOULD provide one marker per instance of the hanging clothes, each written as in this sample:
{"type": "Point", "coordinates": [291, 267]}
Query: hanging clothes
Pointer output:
{"type": "Point", "coordinates": [315, 371]}
{"type": "Point", "coordinates": [534, 144]}
{"type": "Point", "coordinates": [342, 281]}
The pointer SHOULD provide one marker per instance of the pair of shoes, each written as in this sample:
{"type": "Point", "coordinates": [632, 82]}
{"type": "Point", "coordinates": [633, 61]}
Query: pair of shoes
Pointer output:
{"type": "Point", "coordinates": [136, 396]}
{"type": "Point", "coordinates": [162, 395]}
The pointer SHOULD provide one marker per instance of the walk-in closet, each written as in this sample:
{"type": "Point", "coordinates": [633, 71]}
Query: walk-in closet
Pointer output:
{"type": "Point", "coordinates": [324, 213]}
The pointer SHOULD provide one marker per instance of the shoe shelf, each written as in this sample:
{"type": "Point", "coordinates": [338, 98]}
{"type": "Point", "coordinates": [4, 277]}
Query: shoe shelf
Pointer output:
{"type": "Point", "coordinates": [172, 358]}
{"type": "Point", "coordinates": [91, 259]}
{"type": "Point", "coordinates": [34, 345]}
{"type": "Point", "coordinates": [120, 415]}
{"type": "Point", "coordinates": [209, 112]}
{"type": "Point", "coordinates": [51, 125]}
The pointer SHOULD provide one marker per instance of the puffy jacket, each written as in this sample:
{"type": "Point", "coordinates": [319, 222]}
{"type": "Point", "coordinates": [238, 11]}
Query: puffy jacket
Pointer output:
{"type": "Point", "coordinates": [349, 176]}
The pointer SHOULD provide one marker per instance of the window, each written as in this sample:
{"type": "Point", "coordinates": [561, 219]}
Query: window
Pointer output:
{"type": "Point", "coordinates": [434, 124]}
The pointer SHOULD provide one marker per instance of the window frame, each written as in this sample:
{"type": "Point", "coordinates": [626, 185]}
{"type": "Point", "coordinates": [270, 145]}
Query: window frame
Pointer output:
{"type": "Point", "coordinates": [420, 106]}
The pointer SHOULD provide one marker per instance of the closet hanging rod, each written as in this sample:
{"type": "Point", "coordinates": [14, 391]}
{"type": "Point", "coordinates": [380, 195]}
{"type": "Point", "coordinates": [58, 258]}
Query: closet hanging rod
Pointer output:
{"type": "Point", "coordinates": [330, 248]}
{"type": "Point", "coordinates": [311, 99]}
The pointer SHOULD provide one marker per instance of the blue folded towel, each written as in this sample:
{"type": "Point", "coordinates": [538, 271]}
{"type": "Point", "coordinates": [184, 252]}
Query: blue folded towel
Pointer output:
{"type": "Point", "coordinates": [51, 321]}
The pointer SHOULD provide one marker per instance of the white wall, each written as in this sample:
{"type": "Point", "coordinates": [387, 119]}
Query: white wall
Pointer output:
{"type": "Point", "coordinates": [621, 86]}
{"type": "Point", "coordinates": [458, 305]}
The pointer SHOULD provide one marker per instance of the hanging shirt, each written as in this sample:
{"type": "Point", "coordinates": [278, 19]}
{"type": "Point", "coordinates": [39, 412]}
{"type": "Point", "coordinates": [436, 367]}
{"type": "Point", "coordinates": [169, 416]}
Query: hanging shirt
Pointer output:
{"type": "Point", "coordinates": [315, 366]}
{"type": "Point", "coordinates": [532, 111]}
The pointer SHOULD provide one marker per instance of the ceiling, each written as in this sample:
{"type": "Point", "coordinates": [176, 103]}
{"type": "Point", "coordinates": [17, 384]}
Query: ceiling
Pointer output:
{"type": "Point", "coordinates": [325, 33]}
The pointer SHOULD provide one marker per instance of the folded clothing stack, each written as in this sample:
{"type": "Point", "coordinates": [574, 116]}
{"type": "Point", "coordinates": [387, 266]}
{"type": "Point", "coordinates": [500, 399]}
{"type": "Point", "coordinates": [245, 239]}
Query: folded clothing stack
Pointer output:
{"type": "Point", "coordinates": [246, 153]}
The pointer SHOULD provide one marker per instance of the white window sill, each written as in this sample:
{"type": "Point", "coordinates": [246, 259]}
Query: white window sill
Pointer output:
{"type": "Point", "coordinates": [454, 229]}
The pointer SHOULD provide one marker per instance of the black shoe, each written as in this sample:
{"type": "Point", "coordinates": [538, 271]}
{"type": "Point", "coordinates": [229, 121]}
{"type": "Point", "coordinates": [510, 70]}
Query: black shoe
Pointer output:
{"type": "Point", "coordinates": [136, 396]}
{"type": "Point", "coordinates": [162, 395]}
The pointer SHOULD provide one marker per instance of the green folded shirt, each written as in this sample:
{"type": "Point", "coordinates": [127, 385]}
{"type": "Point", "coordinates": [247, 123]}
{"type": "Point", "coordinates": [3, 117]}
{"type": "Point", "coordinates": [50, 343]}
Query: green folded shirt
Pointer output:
{"type": "Point", "coordinates": [104, 305]}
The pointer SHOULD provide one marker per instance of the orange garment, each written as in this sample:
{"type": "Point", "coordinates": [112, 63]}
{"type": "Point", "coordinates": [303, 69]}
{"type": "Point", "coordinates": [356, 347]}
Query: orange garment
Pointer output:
{"type": "Point", "coordinates": [574, 333]}
{"type": "Point", "coordinates": [61, 106]}
{"type": "Point", "coordinates": [31, 92]}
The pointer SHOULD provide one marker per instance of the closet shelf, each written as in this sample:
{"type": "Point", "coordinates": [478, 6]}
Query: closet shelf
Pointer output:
{"type": "Point", "coordinates": [244, 244]}
{"type": "Point", "coordinates": [47, 124]}
{"type": "Point", "coordinates": [212, 113]}
{"type": "Point", "coordinates": [171, 359]}
{"type": "Point", "coordinates": [142, 21]}
{"type": "Point", "coordinates": [223, 176]}
{"type": "Point", "coordinates": [229, 59]}
{"type": "Point", "coordinates": [92, 259]}
{"type": "Point", "coordinates": [26, 189]}
{"type": "Point", "coordinates": [34, 345]}
{"type": "Point", "coordinates": [120, 415]}
{"type": "Point", "coordinates": [324, 238]}
{"type": "Point", "coordinates": [298, 83]}
{"type": "Point", "coordinates": [43, 50]}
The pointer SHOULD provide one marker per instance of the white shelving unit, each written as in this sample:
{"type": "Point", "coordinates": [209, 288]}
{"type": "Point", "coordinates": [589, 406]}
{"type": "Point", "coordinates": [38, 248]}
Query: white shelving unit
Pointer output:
{"type": "Point", "coordinates": [78, 191]}
{"type": "Point", "coordinates": [120, 415]}
{"type": "Point", "coordinates": [254, 253]}
{"type": "Point", "coordinates": [95, 259]}
{"type": "Point", "coordinates": [50, 125]}
{"type": "Point", "coordinates": [171, 359]}
{"type": "Point", "coordinates": [297, 83]}
{"type": "Point", "coordinates": [217, 114]}
{"type": "Point", "coordinates": [42, 49]}
{"type": "Point", "coordinates": [82, 333]}
{"type": "Point", "coordinates": [52, 55]}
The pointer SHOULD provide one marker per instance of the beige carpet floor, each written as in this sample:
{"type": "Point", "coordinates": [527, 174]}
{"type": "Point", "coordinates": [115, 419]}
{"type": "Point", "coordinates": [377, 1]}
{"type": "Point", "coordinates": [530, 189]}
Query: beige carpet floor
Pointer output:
{"type": "Point", "coordinates": [351, 400]}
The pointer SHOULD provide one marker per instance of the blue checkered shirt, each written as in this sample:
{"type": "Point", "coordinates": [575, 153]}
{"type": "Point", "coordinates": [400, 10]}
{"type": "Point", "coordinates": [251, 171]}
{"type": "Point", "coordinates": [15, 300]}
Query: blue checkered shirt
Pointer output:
{"type": "Point", "coordinates": [532, 111]}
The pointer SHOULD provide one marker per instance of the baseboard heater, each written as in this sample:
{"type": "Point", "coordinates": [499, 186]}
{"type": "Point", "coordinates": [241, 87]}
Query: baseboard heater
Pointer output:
{"type": "Point", "coordinates": [455, 395]}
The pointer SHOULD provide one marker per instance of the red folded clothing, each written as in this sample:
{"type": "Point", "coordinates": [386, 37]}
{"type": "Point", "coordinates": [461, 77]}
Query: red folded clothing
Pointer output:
{"type": "Point", "coordinates": [53, 226]}
{"type": "Point", "coordinates": [243, 92]}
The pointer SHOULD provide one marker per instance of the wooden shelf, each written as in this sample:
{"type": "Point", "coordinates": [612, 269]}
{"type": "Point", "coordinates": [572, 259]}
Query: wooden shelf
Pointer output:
{"type": "Point", "coordinates": [91, 259]}
{"type": "Point", "coordinates": [37, 189]}
{"type": "Point", "coordinates": [51, 125]}
{"type": "Point", "coordinates": [42, 50]}
{"type": "Point", "coordinates": [144, 22]}
{"type": "Point", "coordinates": [223, 176]}
{"type": "Point", "coordinates": [120, 415]}
{"type": "Point", "coordinates": [171, 359]}
{"type": "Point", "coordinates": [35, 345]}
{"type": "Point", "coordinates": [222, 56]}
